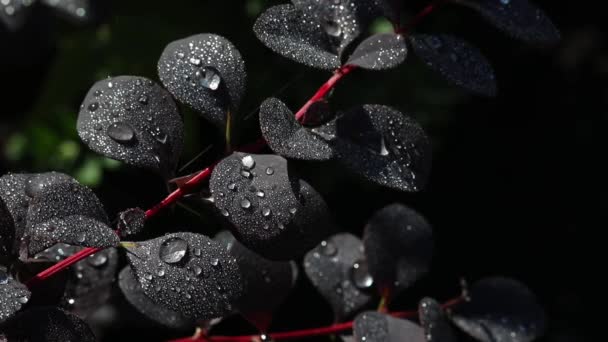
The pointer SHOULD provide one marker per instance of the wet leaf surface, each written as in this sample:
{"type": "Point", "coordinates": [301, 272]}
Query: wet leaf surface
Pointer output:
{"type": "Point", "coordinates": [46, 324]}
{"type": "Point", "coordinates": [13, 295]}
{"type": "Point", "coordinates": [379, 52]}
{"type": "Point", "coordinates": [372, 326]}
{"type": "Point", "coordinates": [435, 322]}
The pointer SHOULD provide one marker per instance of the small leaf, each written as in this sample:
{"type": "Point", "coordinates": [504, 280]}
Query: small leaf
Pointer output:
{"type": "Point", "coordinates": [266, 283]}
{"type": "Point", "coordinates": [75, 10]}
{"type": "Point", "coordinates": [372, 326]}
{"type": "Point", "coordinates": [135, 295]}
{"type": "Point", "coordinates": [379, 52]}
{"type": "Point", "coordinates": [206, 72]}
{"type": "Point", "coordinates": [68, 213]}
{"type": "Point", "coordinates": [134, 120]}
{"type": "Point", "coordinates": [295, 35]}
{"type": "Point", "coordinates": [13, 295]}
{"type": "Point", "coordinates": [500, 309]}
{"type": "Point", "coordinates": [383, 146]}
{"type": "Point", "coordinates": [342, 21]}
{"type": "Point", "coordinates": [14, 13]}
{"type": "Point", "coordinates": [338, 269]}
{"type": "Point", "coordinates": [272, 212]}
{"type": "Point", "coordinates": [518, 18]}
{"type": "Point", "coordinates": [399, 246]}
{"type": "Point", "coordinates": [131, 222]}
{"type": "Point", "coordinates": [287, 137]}
{"type": "Point", "coordinates": [46, 324]}
{"type": "Point", "coordinates": [457, 61]}
{"type": "Point", "coordinates": [435, 322]}
{"type": "Point", "coordinates": [187, 273]}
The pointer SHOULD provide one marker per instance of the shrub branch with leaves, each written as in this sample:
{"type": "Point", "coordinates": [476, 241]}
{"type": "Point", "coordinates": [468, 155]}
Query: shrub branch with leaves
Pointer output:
{"type": "Point", "coordinates": [56, 238]}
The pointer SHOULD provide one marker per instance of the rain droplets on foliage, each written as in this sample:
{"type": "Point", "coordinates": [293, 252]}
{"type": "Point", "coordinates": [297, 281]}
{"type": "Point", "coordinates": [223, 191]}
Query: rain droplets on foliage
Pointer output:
{"type": "Point", "coordinates": [379, 52]}
{"type": "Point", "coordinates": [372, 326]}
{"type": "Point", "coordinates": [12, 191]}
{"type": "Point", "coordinates": [68, 213]}
{"type": "Point", "coordinates": [434, 321]}
{"type": "Point", "coordinates": [187, 273]}
{"type": "Point", "coordinates": [399, 245]}
{"type": "Point", "coordinates": [206, 72]}
{"type": "Point", "coordinates": [13, 295]}
{"type": "Point", "coordinates": [519, 18]}
{"type": "Point", "coordinates": [271, 211]}
{"type": "Point", "coordinates": [134, 120]}
{"type": "Point", "coordinates": [338, 269]}
{"type": "Point", "coordinates": [457, 61]}
{"type": "Point", "coordinates": [46, 324]}
{"type": "Point", "coordinates": [500, 309]}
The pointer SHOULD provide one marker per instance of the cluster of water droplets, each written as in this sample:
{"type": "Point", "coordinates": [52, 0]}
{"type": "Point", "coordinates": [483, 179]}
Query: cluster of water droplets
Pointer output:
{"type": "Point", "coordinates": [205, 76]}
{"type": "Point", "coordinates": [13, 295]}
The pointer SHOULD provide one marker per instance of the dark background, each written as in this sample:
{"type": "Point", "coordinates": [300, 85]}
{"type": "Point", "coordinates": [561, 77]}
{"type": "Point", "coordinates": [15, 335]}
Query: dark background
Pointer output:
{"type": "Point", "coordinates": [517, 186]}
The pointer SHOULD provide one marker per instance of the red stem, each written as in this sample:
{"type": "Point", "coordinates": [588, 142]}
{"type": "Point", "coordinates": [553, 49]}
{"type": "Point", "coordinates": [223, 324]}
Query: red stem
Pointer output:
{"type": "Point", "coordinates": [420, 16]}
{"type": "Point", "coordinates": [327, 330]}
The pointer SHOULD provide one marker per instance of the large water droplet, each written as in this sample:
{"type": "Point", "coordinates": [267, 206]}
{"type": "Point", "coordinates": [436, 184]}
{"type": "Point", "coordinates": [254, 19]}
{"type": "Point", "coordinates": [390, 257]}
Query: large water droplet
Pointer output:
{"type": "Point", "coordinates": [225, 213]}
{"type": "Point", "coordinates": [266, 212]}
{"type": "Point", "coordinates": [120, 132]}
{"type": "Point", "coordinates": [23, 299]}
{"type": "Point", "coordinates": [360, 275]}
{"type": "Point", "coordinates": [248, 162]}
{"type": "Point", "coordinates": [215, 262]}
{"type": "Point", "coordinates": [269, 171]}
{"type": "Point", "coordinates": [208, 78]}
{"type": "Point", "coordinates": [173, 250]}
{"type": "Point", "coordinates": [260, 194]}
{"type": "Point", "coordinates": [245, 203]}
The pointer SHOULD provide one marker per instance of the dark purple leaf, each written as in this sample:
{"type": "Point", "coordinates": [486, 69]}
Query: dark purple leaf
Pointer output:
{"type": "Point", "coordinates": [287, 137]}
{"type": "Point", "coordinates": [206, 72]}
{"type": "Point", "coordinates": [518, 18]}
{"type": "Point", "coordinates": [434, 321]}
{"type": "Point", "coordinates": [399, 246]}
{"type": "Point", "coordinates": [134, 293]}
{"type": "Point", "coordinates": [379, 52]}
{"type": "Point", "coordinates": [457, 61]}
{"type": "Point", "coordinates": [297, 36]}
{"type": "Point", "coordinates": [271, 211]}
{"type": "Point", "coordinates": [46, 324]}
{"type": "Point", "coordinates": [372, 326]}
{"type": "Point", "coordinates": [68, 213]}
{"type": "Point", "coordinates": [187, 273]}
{"type": "Point", "coordinates": [13, 295]}
{"type": "Point", "coordinates": [500, 309]}
{"type": "Point", "coordinates": [338, 269]}
{"type": "Point", "coordinates": [383, 146]}
{"type": "Point", "coordinates": [134, 120]}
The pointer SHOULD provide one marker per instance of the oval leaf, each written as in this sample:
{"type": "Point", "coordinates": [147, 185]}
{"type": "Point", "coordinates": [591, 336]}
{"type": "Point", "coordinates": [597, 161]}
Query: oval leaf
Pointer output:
{"type": "Point", "coordinates": [187, 273]}
{"type": "Point", "coordinates": [271, 211]}
{"type": "Point", "coordinates": [266, 283]}
{"type": "Point", "coordinates": [135, 295]}
{"type": "Point", "coordinates": [379, 52]}
{"type": "Point", "coordinates": [206, 72]}
{"type": "Point", "coordinates": [287, 137]}
{"type": "Point", "coordinates": [338, 269]}
{"type": "Point", "coordinates": [295, 35]}
{"type": "Point", "coordinates": [399, 245]}
{"type": "Point", "coordinates": [500, 309]}
{"type": "Point", "coordinates": [68, 213]}
{"type": "Point", "coordinates": [134, 120]}
{"type": "Point", "coordinates": [518, 18]}
{"type": "Point", "coordinates": [372, 326]}
{"type": "Point", "coordinates": [383, 146]}
{"type": "Point", "coordinates": [457, 61]}
{"type": "Point", "coordinates": [435, 322]}
{"type": "Point", "coordinates": [13, 295]}
{"type": "Point", "coordinates": [47, 324]}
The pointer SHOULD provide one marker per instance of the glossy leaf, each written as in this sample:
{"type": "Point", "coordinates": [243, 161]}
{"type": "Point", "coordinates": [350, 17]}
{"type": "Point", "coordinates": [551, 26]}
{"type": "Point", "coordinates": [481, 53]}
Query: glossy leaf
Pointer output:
{"type": "Point", "coordinates": [500, 309]}
{"type": "Point", "coordinates": [135, 295]}
{"type": "Point", "coordinates": [457, 61]}
{"type": "Point", "coordinates": [13, 295]}
{"type": "Point", "coordinates": [271, 211]}
{"type": "Point", "coordinates": [187, 273]}
{"type": "Point", "coordinates": [399, 245]}
{"type": "Point", "coordinates": [134, 120]}
{"type": "Point", "coordinates": [518, 18]}
{"type": "Point", "coordinates": [206, 72]}
{"type": "Point", "coordinates": [338, 269]}
{"type": "Point", "coordinates": [46, 324]}
{"type": "Point", "coordinates": [383, 146]}
{"type": "Point", "coordinates": [298, 36]}
{"type": "Point", "coordinates": [68, 213]}
{"type": "Point", "coordinates": [372, 326]}
{"type": "Point", "coordinates": [379, 52]}
{"type": "Point", "coordinates": [266, 283]}
{"type": "Point", "coordinates": [287, 137]}
{"type": "Point", "coordinates": [435, 322]}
